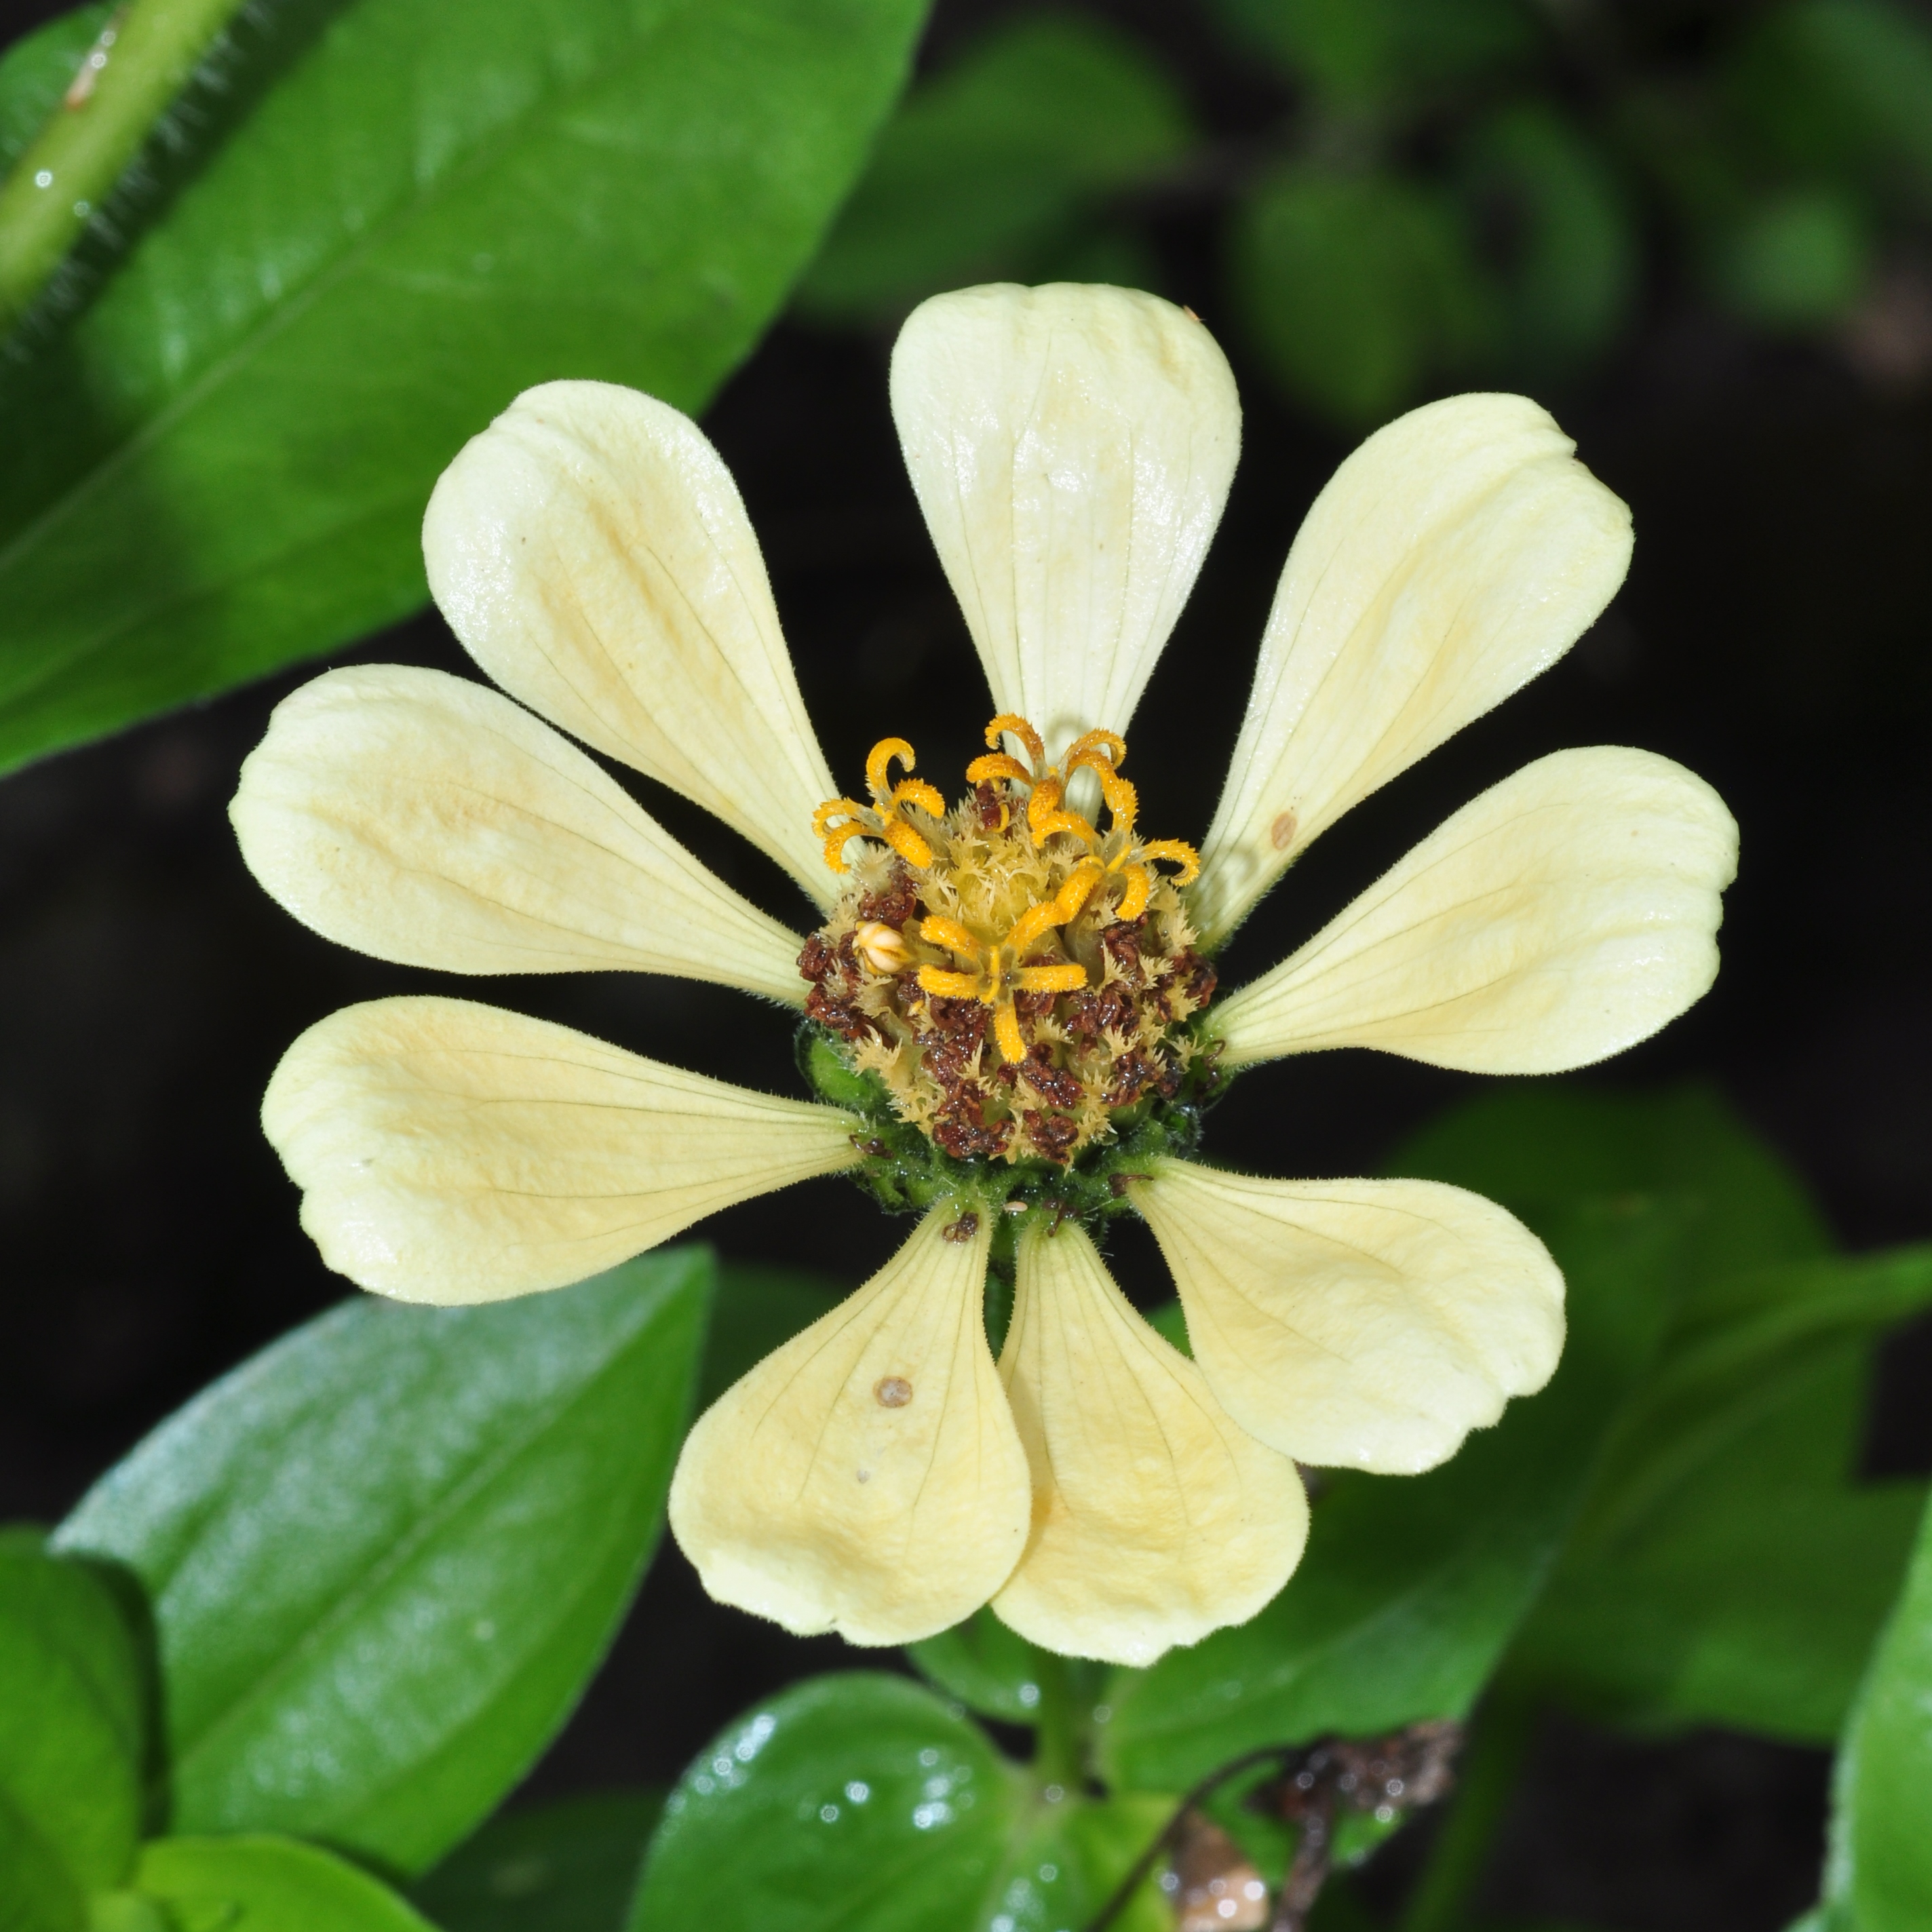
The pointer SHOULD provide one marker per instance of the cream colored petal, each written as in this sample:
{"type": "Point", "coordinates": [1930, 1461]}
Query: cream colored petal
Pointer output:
{"type": "Point", "coordinates": [865, 1477]}
{"type": "Point", "coordinates": [449, 1152]}
{"type": "Point", "coordinates": [422, 818]}
{"type": "Point", "coordinates": [1368, 1324]}
{"type": "Point", "coordinates": [1458, 553]}
{"type": "Point", "coordinates": [1072, 448]}
{"type": "Point", "coordinates": [1155, 1519]}
{"type": "Point", "coordinates": [1565, 914]}
{"type": "Point", "coordinates": [592, 551]}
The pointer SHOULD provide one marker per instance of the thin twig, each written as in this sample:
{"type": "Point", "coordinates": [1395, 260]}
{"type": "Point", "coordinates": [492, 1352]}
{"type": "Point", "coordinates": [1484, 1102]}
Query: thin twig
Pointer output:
{"type": "Point", "coordinates": [1164, 1841]}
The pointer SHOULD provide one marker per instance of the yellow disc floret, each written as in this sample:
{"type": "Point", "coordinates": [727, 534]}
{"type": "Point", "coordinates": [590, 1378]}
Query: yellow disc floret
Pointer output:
{"type": "Point", "coordinates": [1013, 976]}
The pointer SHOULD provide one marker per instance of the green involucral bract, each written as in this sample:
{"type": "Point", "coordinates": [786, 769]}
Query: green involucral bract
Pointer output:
{"type": "Point", "coordinates": [907, 1173]}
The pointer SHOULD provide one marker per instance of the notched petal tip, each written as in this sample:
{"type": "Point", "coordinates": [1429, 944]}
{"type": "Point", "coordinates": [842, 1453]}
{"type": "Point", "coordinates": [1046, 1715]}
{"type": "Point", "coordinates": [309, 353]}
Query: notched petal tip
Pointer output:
{"type": "Point", "coordinates": [450, 1152]}
{"type": "Point", "coordinates": [865, 1477]}
{"type": "Point", "coordinates": [425, 819]}
{"type": "Point", "coordinates": [1156, 1518]}
{"type": "Point", "coordinates": [591, 552]}
{"type": "Point", "coordinates": [1459, 553]}
{"type": "Point", "coordinates": [1564, 915]}
{"type": "Point", "coordinates": [1367, 1324]}
{"type": "Point", "coordinates": [1071, 447]}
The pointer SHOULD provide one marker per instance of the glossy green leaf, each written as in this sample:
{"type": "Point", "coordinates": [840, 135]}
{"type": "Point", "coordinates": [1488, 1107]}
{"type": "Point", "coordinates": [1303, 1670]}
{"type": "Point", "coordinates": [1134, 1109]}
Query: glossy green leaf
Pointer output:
{"type": "Point", "coordinates": [1413, 1586]}
{"type": "Point", "coordinates": [855, 1800]}
{"type": "Point", "coordinates": [570, 1867]}
{"type": "Point", "coordinates": [37, 69]}
{"type": "Point", "coordinates": [385, 1555]}
{"type": "Point", "coordinates": [1571, 271]}
{"type": "Point", "coordinates": [1066, 1862]}
{"type": "Point", "coordinates": [1356, 289]}
{"type": "Point", "coordinates": [263, 1884]}
{"type": "Point", "coordinates": [1530, 1142]}
{"type": "Point", "coordinates": [859, 1801]}
{"type": "Point", "coordinates": [990, 1668]}
{"type": "Point", "coordinates": [222, 465]}
{"type": "Point", "coordinates": [1878, 1875]}
{"type": "Point", "coordinates": [71, 1725]}
{"type": "Point", "coordinates": [987, 167]}
{"type": "Point", "coordinates": [754, 1310]}
{"type": "Point", "coordinates": [1729, 1568]}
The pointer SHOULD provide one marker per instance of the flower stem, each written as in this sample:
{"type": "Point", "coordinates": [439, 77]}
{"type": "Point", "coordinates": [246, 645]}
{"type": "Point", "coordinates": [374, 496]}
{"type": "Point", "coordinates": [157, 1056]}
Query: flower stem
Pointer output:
{"type": "Point", "coordinates": [1060, 1737]}
{"type": "Point", "coordinates": [1485, 1784]}
{"type": "Point", "coordinates": [142, 59]}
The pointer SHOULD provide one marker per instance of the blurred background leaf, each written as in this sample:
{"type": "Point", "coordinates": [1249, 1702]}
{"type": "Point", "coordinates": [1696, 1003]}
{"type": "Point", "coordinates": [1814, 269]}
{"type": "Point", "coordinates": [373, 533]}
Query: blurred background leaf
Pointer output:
{"type": "Point", "coordinates": [988, 171]}
{"type": "Point", "coordinates": [1367, 54]}
{"type": "Point", "coordinates": [1357, 288]}
{"type": "Point", "coordinates": [567, 1866]}
{"type": "Point", "coordinates": [1728, 1566]}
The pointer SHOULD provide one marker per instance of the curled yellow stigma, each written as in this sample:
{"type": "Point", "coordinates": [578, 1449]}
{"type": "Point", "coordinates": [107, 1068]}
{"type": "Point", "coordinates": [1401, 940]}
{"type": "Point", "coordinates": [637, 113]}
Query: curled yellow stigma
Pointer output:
{"type": "Point", "coordinates": [1125, 858]}
{"type": "Point", "coordinates": [838, 821]}
{"type": "Point", "coordinates": [995, 970]}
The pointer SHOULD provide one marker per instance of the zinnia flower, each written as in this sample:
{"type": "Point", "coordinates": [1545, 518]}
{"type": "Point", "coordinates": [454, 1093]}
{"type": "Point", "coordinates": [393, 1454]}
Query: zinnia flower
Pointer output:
{"type": "Point", "coordinates": [1009, 1003]}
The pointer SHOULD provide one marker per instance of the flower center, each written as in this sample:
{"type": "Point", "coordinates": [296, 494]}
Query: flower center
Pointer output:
{"type": "Point", "coordinates": [1014, 980]}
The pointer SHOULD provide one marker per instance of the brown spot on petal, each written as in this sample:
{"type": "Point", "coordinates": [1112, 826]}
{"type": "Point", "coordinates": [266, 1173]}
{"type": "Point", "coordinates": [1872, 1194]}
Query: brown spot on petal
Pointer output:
{"type": "Point", "coordinates": [961, 1230]}
{"type": "Point", "coordinates": [1281, 833]}
{"type": "Point", "coordinates": [892, 1391]}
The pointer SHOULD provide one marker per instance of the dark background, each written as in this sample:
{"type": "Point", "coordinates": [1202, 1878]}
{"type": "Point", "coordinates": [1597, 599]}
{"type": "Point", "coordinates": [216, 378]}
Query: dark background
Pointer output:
{"type": "Point", "coordinates": [1772, 636]}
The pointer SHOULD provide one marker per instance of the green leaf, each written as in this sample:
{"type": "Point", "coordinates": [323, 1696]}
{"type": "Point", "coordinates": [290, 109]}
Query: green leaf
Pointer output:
{"type": "Point", "coordinates": [1526, 1144]}
{"type": "Point", "coordinates": [1841, 87]}
{"type": "Point", "coordinates": [385, 1555]}
{"type": "Point", "coordinates": [71, 1724]}
{"type": "Point", "coordinates": [266, 1884]}
{"type": "Point", "coordinates": [1878, 1875]}
{"type": "Point", "coordinates": [859, 1801]}
{"type": "Point", "coordinates": [988, 165]}
{"type": "Point", "coordinates": [990, 1668]}
{"type": "Point", "coordinates": [756, 1310]}
{"type": "Point", "coordinates": [1573, 268]}
{"type": "Point", "coordinates": [1169, 1322]}
{"type": "Point", "coordinates": [1367, 53]}
{"type": "Point", "coordinates": [566, 1867]}
{"type": "Point", "coordinates": [1796, 261]}
{"type": "Point", "coordinates": [1356, 288]}
{"type": "Point", "coordinates": [1729, 1568]}
{"type": "Point", "coordinates": [1754, 1332]}
{"type": "Point", "coordinates": [222, 466]}
{"type": "Point", "coordinates": [1413, 1586]}
{"type": "Point", "coordinates": [38, 68]}
{"type": "Point", "coordinates": [1067, 1859]}
{"type": "Point", "coordinates": [856, 1800]}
